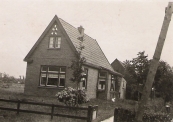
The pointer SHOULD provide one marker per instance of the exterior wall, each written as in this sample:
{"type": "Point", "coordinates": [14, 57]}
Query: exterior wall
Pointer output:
{"type": "Point", "coordinates": [92, 82]}
{"type": "Point", "coordinates": [109, 86]}
{"type": "Point", "coordinates": [44, 56]}
{"type": "Point", "coordinates": [122, 89]}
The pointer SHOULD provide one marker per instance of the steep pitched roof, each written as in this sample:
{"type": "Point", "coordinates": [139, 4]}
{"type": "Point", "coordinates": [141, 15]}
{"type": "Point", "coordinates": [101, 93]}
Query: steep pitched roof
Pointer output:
{"type": "Point", "coordinates": [121, 63]}
{"type": "Point", "coordinates": [92, 51]}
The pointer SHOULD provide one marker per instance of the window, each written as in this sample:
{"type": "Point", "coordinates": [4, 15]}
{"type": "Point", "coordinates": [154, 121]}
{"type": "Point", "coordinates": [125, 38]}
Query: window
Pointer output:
{"type": "Point", "coordinates": [112, 88]}
{"type": "Point", "coordinates": [84, 79]}
{"type": "Point", "coordinates": [55, 42]}
{"type": "Point", "coordinates": [102, 81]}
{"type": "Point", "coordinates": [52, 76]}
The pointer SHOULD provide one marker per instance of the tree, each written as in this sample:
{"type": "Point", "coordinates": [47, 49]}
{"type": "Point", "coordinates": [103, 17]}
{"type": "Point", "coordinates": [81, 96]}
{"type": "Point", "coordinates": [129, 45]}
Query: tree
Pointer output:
{"type": "Point", "coordinates": [163, 81]}
{"type": "Point", "coordinates": [136, 72]}
{"type": "Point", "coordinates": [77, 65]}
{"type": "Point", "coordinates": [70, 96]}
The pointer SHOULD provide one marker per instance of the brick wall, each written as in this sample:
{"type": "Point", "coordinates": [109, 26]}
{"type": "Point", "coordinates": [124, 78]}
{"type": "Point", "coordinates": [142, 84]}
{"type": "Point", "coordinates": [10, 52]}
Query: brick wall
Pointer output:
{"type": "Point", "coordinates": [92, 82]}
{"type": "Point", "coordinates": [44, 56]}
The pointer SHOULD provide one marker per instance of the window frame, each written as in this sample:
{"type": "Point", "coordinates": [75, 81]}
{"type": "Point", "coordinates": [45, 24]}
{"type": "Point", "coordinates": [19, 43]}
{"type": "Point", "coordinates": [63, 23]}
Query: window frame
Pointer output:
{"type": "Point", "coordinates": [55, 42]}
{"type": "Point", "coordinates": [86, 79]}
{"type": "Point", "coordinates": [113, 83]}
{"type": "Point", "coordinates": [47, 73]}
{"type": "Point", "coordinates": [101, 78]}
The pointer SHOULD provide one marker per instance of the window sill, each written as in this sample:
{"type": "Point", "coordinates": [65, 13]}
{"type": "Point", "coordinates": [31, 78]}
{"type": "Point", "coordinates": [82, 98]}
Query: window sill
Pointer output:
{"type": "Point", "coordinates": [50, 87]}
{"type": "Point", "coordinates": [53, 48]}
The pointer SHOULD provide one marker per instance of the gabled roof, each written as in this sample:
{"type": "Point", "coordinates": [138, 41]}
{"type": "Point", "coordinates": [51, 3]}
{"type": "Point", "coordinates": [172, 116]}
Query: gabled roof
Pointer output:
{"type": "Point", "coordinates": [92, 51]}
{"type": "Point", "coordinates": [121, 63]}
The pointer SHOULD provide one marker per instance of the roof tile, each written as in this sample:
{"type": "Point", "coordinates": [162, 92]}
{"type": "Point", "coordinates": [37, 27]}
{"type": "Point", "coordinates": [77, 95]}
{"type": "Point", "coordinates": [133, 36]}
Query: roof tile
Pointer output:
{"type": "Point", "coordinates": [92, 51]}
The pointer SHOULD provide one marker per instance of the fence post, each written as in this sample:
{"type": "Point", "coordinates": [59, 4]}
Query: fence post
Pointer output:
{"type": "Point", "coordinates": [52, 111]}
{"type": "Point", "coordinates": [94, 112]}
{"type": "Point", "coordinates": [115, 114]}
{"type": "Point", "coordinates": [18, 107]}
{"type": "Point", "coordinates": [89, 113]}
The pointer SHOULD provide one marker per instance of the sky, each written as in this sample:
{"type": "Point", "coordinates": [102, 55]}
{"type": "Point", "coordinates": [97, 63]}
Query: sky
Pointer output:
{"type": "Point", "coordinates": [122, 28]}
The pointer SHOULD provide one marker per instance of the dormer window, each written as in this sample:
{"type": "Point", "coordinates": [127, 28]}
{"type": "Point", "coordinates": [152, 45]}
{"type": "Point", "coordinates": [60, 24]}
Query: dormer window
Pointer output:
{"type": "Point", "coordinates": [55, 42]}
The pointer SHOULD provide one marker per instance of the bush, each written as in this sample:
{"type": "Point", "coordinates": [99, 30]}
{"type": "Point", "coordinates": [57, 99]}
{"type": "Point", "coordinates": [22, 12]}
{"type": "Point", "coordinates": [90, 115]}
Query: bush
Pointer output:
{"type": "Point", "coordinates": [71, 96]}
{"type": "Point", "coordinates": [126, 115]}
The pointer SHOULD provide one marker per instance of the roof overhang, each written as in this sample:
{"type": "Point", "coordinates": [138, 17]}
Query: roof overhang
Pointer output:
{"type": "Point", "coordinates": [102, 68]}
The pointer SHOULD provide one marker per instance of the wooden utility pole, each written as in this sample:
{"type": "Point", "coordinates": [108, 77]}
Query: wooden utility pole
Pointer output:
{"type": "Point", "coordinates": [154, 63]}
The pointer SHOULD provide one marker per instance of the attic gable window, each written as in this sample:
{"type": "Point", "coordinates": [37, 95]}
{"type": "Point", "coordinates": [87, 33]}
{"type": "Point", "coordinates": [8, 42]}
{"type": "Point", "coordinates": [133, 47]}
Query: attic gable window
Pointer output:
{"type": "Point", "coordinates": [55, 42]}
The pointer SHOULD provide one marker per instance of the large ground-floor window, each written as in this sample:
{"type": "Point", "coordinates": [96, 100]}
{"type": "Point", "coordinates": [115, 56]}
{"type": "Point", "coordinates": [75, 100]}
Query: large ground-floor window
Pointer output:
{"type": "Point", "coordinates": [52, 76]}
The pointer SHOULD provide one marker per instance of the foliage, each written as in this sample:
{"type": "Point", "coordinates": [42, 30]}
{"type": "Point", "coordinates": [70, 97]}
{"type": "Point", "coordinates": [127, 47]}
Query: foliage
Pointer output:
{"type": "Point", "coordinates": [136, 74]}
{"type": "Point", "coordinates": [77, 68]}
{"type": "Point", "coordinates": [72, 97]}
{"type": "Point", "coordinates": [122, 114]}
{"type": "Point", "coordinates": [77, 65]}
{"type": "Point", "coordinates": [164, 81]}
{"type": "Point", "coordinates": [7, 79]}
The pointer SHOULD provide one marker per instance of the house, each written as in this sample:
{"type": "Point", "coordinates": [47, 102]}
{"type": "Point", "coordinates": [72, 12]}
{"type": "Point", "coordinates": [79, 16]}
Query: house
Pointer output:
{"type": "Point", "coordinates": [118, 66]}
{"type": "Point", "coordinates": [51, 56]}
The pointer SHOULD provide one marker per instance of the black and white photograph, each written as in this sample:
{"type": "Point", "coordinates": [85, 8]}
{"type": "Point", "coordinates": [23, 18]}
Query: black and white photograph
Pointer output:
{"type": "Point", "coordinates": [86, 61]}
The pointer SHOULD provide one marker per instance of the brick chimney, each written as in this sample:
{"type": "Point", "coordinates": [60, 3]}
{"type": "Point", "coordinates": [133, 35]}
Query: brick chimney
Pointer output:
{"type": "Point", "coordinates": [81, 31]}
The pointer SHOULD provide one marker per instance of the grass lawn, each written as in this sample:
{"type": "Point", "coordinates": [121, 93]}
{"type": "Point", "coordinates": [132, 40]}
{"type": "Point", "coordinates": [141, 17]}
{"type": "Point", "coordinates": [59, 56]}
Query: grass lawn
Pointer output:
{"type": "Point", "coordinates": [15, 91]}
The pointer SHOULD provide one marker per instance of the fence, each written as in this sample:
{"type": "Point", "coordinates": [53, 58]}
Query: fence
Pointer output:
{"type": "Point", "coordinates": [91, 110]}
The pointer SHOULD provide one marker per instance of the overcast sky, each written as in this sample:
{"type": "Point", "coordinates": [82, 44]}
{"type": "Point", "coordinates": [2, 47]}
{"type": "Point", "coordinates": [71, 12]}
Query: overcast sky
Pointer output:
{"type": "Point", "coordinates": [122, 28]}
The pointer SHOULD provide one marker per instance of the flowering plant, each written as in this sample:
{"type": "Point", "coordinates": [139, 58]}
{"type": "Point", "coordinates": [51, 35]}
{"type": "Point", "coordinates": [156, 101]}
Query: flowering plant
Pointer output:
{"type": "Point", "coordinates": [71, 96]}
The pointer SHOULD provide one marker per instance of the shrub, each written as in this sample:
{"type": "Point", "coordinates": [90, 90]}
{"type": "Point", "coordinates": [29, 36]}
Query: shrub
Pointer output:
{"type": "Point", "coordinates": [126, 115]}
{"type": "Point", "coordinates": [71, 96]}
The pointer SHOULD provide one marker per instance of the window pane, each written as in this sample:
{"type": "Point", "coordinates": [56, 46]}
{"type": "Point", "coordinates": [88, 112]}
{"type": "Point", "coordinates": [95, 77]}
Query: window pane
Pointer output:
{"type": "Point", "coordinates": [51, 42]}
{"type": "Point", "coordinates": [101, 85]}
{"type": "Point", "coordinates": [58, 42]}
{"type": "Point", "coordinates": [62, 76]}
{"type": "Point", "coordinates": [43, 79]}
{"type": "Point", "coordinates": [53, 75]}
{"type": "Point", "coordinates": [52, 79]}
{"type": "Point", "coordinates": [86, 71]}
{"type": "Point", "coordinates": [43, 68]}
{"type": "Point", "coordinates": [62, 70]}
{"type": "Point", "coordinates": [112, 86]}
{"type": "Point", "coordinates": [84, 83]}
{"type": "Point", "coordinates": [53, 69]}
{"type": "Point", "coordinates": [102, 74]}
{"type": "Point", "coordinates": [61, 80]}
